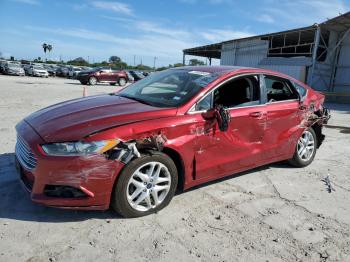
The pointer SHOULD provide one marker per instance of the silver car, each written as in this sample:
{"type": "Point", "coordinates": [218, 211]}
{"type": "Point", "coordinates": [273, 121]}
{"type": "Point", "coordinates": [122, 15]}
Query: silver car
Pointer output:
{"type": "Point", "coordinates": [14, 69]}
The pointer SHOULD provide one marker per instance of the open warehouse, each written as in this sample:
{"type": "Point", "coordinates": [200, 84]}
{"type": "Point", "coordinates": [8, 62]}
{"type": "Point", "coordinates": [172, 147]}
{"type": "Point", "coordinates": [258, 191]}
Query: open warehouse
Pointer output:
{"type": "Point", "coordinates": [318, 55]}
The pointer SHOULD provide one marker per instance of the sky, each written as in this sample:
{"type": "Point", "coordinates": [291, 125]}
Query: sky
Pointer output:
{"type": "Point", "coordinates": [140, 30]}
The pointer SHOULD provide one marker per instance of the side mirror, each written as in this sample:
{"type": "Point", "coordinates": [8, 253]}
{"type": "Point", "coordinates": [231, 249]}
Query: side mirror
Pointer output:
{"type": "Point", "coordinates": [223, 117]}
{"type": "Point", "coordinates": [221, 114]}
{"type": "Point", "coordinates": [209, 114]}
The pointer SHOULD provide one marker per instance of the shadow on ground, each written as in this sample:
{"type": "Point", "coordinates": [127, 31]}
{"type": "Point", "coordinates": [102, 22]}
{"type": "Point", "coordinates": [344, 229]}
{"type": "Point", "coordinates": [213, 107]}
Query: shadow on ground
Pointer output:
{"type": "Point", "coordinates": [16, 204]}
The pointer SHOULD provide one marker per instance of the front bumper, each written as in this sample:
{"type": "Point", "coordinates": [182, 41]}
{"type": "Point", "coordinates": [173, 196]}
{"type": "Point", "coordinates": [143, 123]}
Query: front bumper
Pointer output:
{"type": "Point", "coordinates": [15, 73]}
{"type": "Point", "coordinates": [82, 78]}
{"type": "Point", "coordinates": [92, 175]}
{"type": "Point", "coordinates": [40, 74]}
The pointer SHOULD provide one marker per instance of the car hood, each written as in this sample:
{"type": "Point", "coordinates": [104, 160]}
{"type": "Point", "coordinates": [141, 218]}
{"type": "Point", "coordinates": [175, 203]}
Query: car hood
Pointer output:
{"type": "Point", "coordinates": [75, 119]}
{"type": "Point", "coordinates": [40, 70]}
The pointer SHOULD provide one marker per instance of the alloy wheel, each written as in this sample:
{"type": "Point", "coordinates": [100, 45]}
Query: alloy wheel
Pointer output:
{"type": "Point", "coordinates": [148, 186]}
{"type": "Point", "coordinates": [306, 146]}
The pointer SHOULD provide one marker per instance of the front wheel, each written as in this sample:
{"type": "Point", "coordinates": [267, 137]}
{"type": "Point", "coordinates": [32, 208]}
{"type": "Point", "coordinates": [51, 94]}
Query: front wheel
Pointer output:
{"type": "Point", "coordinates": [146, 185]}
{"type": "Point", "coordinates": [305, 149]}
{"type": "Point", "coordinates": [92, 81]}
{"type": "Point", "coordinates": [122, 81]}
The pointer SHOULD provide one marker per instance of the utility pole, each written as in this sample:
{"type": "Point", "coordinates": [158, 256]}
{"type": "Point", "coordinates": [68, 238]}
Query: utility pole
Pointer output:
{"type": "Point", "coordinates": [154, 63]}
{"type": "Point", "coordinates": [134, 60]}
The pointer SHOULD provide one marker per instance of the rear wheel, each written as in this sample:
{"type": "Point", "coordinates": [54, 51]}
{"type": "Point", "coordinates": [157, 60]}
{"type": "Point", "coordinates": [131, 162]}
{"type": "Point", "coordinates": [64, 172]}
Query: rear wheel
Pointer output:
{"type": "Point", "coordinates": [305, 149]}
{"type": "Point", "coordinates": [92, 81]}
{"type": "Point", "coordinates": [146, 185]}
{"type": "Point", "coordinates": [122, 81]}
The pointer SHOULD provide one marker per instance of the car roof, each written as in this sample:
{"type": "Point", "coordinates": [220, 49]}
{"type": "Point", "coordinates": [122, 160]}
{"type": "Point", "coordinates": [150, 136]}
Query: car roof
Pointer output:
{"type": "Point", "coordinates": [212, 69]}
{"type": "Point", "coordinates": [230, 69]}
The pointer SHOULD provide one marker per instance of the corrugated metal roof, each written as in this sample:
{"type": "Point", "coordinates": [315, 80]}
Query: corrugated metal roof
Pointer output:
{"type": "Point", "coordinates": [338, 23]}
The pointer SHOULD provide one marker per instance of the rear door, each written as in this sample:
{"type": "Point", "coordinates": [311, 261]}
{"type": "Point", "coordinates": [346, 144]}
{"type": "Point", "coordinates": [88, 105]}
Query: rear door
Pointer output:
{"type": "Point", "coordinates": [105, 75]}
{"type": "Point", "coordinates": [284, 118]}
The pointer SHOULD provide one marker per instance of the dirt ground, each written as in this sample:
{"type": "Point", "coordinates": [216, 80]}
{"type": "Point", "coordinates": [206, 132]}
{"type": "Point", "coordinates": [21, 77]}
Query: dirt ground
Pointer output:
{"type": "Point", "coordinates": [273, 213]}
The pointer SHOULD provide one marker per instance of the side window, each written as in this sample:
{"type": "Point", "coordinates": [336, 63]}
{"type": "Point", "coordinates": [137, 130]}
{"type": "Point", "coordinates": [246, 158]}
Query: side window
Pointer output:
{"type": "Point", "coordinates": [205, 103]}
{"type": "Point", "coordinates": [301, 90]}
{"type": "Point", "coordinates": [278, 89]}
{"type": "Point", "coordinates": [244, 91]}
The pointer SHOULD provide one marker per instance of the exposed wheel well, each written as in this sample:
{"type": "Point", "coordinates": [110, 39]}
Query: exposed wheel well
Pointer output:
{"type": "Point", "coordinates": [175, 156]}
{"type": "Point", "coordinates": [318, 131]}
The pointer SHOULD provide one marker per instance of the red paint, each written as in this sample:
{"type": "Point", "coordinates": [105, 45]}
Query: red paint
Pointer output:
{"type": "Point", "coordinates": [256, 136]}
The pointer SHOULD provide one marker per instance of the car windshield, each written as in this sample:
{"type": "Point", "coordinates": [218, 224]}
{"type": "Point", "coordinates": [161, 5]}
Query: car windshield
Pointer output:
{"type": "Point", "coordinates": [169, 88]}
{"type": "Point", "coordinates": [38, 67]}
{"type": "Point", "coordinates": [14, 66]}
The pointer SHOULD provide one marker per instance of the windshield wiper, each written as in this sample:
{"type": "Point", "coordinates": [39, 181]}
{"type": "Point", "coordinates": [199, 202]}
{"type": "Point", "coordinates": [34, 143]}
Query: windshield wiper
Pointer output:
{"type": "Point", "coordinates": [136, 99]}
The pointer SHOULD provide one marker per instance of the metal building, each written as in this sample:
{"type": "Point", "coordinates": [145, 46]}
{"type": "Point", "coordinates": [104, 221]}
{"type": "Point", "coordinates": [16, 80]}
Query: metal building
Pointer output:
{"type": "Point", "coordinates": [318, 55]}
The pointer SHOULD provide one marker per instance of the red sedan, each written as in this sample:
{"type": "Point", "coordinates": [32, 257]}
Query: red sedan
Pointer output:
{"type": "Point", "coordinates": [170, 131]}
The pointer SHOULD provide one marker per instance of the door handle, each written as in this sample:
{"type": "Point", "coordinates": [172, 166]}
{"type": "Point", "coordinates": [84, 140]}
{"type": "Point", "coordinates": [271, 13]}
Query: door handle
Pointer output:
{"type": "Point", "coordinates": [256, 114]}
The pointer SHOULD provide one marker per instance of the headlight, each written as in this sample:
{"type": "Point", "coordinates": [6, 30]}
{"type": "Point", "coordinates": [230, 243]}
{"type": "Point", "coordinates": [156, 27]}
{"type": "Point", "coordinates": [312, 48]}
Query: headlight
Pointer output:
{"type": "Point", "coordinates": [79, 148]}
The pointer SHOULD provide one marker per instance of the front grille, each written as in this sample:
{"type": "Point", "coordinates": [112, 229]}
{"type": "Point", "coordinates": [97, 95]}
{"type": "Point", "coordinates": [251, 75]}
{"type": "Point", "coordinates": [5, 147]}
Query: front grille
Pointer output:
{"type": "Point", "coordinates": [24, 154]}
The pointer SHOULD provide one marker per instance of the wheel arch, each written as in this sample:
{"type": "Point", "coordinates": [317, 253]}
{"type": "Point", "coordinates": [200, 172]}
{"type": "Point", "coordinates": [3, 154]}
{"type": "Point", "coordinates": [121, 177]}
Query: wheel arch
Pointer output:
{"type": "Point", "coordinates": [176, 157]}
{"type": "Point", "coordinates": [318, 131]}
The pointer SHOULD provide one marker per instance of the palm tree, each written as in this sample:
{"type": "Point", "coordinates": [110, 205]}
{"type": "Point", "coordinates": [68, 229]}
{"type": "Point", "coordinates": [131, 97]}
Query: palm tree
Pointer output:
{"type": "Point", "coordinates": [45, 47]}
{"type": "Point", "coordinates": [49, 48]}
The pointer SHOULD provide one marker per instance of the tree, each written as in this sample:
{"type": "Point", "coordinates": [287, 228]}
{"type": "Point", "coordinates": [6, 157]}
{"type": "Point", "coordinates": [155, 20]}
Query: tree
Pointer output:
{"type": "Point", "coordinates": [44, 46]}
{"type": "Point", "coordinates": [195, 62]}
{"type": "Point", "coordinates": [79, 61]}
{"type": "Point", "coordinates": [49, 48]}
{"type": "Point", "coordinates": [115, 59]}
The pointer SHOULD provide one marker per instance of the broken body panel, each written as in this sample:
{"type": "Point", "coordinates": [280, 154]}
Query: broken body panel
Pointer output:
{"type": "Point", "coordinates": [256, 135]}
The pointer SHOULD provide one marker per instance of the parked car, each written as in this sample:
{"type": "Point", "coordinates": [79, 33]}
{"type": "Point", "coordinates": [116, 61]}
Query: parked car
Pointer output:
{"type": "Point", "coordinates": [103, 75]}
{"type": "Point", "coordinates": [37, 70]}
{"type": "Point", "coordinates": [73, 71]}
{"type": "Point", "coordinates": [172, 131]}
{"type": "Point", "coordinates": [14, 69]}
{"type": "Point", "coordinates": [62, 71]}
{"type": "Point", "coordinates": [130, 77]}
{"type": "Point", "coordinates": [2, 65]}
{"type": "Point", "coordinates": [51, 69]}
{"type": "Point", "coordinates": [137, 75]}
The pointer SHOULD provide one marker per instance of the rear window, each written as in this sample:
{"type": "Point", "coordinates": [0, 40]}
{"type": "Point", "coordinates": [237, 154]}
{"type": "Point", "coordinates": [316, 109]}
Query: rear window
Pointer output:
{"type": "Point", "coordinates": [301, 90]}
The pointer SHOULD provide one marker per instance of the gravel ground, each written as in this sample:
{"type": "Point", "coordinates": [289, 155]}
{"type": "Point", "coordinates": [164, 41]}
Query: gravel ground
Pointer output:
{"type": "Point", "coordinates": [273, 213]}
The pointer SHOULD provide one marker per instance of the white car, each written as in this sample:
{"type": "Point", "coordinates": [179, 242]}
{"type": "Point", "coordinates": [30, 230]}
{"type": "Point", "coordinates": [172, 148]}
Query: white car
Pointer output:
{"type": "Point", "coordinates": [37, 70]}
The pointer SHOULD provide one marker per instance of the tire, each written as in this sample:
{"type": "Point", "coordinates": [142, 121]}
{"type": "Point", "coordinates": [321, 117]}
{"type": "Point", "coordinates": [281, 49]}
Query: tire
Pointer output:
{"type": "Point", "coordinates": [92, 81]}
{"type": "Point", "coordinates": [124, 190]}
{"type": "Point", "coordinates": [112, 84]}
{"type": "Point", "coordinates": [122, 81]}
{"type": "Point", "coordinates": [298, 159]}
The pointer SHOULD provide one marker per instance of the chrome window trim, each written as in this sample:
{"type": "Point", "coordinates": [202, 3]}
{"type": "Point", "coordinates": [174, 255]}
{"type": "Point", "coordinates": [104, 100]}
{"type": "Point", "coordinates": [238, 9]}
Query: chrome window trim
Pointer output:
{"type": "Point", "coordinates": [191, 110]}
{"type": "Point", "coordinates": [282, 101]}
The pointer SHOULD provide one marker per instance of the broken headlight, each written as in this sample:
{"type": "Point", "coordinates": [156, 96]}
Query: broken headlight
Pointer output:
{"type": "Point", "coordinates": [79, 148]}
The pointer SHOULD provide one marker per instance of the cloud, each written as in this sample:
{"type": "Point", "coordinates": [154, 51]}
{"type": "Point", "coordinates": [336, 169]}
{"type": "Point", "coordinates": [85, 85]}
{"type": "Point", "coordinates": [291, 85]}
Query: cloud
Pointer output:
{"type": "Point", "coordinates": [219, 35]}
{"type": "Point", "coordinates": [265, 18]}
{"type": "Point", "coordinates": [214, 2]}
{"type": "Point", "coordinates": [29, 2]}
{"type": "Point", "coordinates": [152, 45]}
{"type": "Point", "coordinates": [117, 7]}
{"type": "Point", "coordinates": [303, 12]}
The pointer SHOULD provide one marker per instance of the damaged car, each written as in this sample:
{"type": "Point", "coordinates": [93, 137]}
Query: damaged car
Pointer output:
{"type": "Point", "coordinates": [176, 129]}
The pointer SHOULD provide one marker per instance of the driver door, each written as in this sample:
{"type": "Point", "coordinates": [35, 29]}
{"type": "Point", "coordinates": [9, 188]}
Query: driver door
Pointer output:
{"type": "Point", "coordinates": [219, 153]}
